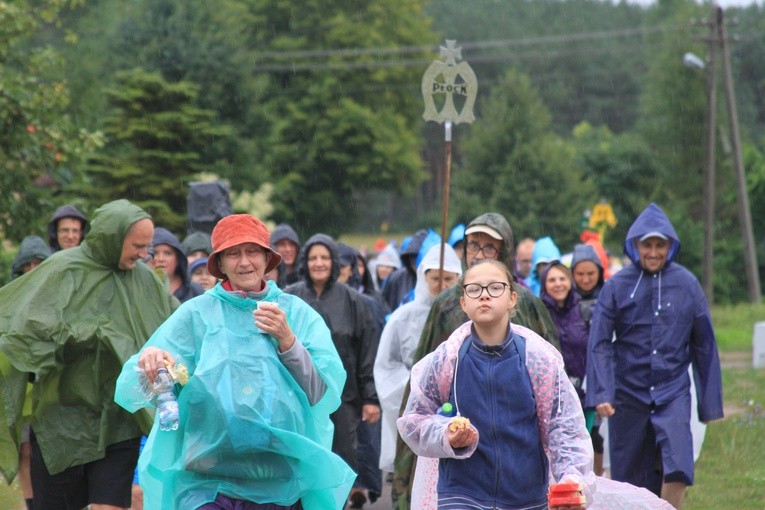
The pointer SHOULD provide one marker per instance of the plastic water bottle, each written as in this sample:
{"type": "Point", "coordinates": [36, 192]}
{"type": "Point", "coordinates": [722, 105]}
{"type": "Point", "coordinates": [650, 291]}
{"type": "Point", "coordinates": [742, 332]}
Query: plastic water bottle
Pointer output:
{"type": "Point", "coordinates": [167, 405]}
{"type": "Point", "coordinates": [446, 410]}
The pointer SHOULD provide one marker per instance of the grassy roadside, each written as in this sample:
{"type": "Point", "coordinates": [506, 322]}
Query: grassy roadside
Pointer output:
{"type": "Point", "coordinates": [10, 497]}
{"type": "Point", "coordinates": [730, 472]}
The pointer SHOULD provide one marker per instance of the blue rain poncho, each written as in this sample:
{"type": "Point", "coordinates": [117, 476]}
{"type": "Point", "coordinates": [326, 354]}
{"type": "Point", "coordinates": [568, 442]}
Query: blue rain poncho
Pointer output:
{"type": "Point", "coordinates": [246, 427]}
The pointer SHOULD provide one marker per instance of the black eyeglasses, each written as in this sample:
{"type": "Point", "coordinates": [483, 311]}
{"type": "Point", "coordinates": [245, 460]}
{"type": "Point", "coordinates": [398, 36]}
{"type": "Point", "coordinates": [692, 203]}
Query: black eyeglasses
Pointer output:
{"type": "Point", "coordinates": [494, 289]}
{"type": "Point", "coordinates": [488, 250]}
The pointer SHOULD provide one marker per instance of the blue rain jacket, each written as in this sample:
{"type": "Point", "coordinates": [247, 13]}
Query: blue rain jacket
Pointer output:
{"type": "Point", "coordinates": [545, 250]}
{"type": "Point", "coordinates": [246, 428]}
{"type": "Point", "coordinates": [662, 324]}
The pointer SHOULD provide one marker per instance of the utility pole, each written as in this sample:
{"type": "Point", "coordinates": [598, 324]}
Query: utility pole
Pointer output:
{"type": "Point", "coordinates": [707, 256]}
{"type": "Point", "coordinates": [750, 257]}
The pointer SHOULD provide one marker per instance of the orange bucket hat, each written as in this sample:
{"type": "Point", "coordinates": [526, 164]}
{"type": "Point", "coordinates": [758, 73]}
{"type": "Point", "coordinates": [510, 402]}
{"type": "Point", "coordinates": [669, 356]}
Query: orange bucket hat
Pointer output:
{"type": "Point", "coordinates": [239, 229]}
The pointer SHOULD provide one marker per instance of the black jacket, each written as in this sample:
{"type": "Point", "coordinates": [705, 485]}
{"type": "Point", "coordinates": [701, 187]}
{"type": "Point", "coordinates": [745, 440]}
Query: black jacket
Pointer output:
{"type": "Point", "coordinates": [401, 281]}
{"type": "Point", "coordinates": [350, 321]}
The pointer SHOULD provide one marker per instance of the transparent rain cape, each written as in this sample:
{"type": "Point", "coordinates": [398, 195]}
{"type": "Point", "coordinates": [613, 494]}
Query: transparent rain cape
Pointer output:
{"type": "Point", "coordinates": [246, 428]}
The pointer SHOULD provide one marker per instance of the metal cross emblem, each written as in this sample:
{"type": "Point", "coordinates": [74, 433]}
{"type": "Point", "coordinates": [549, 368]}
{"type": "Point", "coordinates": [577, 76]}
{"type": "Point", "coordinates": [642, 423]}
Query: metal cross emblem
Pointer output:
{"type": "Point", "coordinates": [442, 78]}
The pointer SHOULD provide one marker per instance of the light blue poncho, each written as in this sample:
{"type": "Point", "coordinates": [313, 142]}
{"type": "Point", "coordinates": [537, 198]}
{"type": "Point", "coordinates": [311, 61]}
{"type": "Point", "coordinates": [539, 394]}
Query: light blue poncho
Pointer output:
{"type": "Point", "coordinates": [246, 427]}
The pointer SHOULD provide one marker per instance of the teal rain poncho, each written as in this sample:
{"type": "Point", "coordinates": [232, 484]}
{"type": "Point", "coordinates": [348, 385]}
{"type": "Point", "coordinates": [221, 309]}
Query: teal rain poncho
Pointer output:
{"type": "Point", "coordinates": [246, 427]}
{"type": "Point", "coordinates": [74, 321]}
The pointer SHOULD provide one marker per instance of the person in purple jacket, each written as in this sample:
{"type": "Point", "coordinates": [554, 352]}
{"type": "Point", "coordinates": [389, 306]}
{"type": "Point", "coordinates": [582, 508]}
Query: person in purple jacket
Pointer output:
{"type": "Point", "coordinates": [563, 304]}
{"type": "Point", "coordinates": [651, 322]}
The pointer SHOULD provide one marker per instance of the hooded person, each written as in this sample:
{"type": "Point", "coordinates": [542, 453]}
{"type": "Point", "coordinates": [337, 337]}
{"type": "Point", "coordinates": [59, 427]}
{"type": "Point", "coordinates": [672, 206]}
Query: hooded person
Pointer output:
{"type": "Point", "coordinates": [367, 434]}
{"type": "Point", "coordinates": [263, 378]}
{"type": "Point", "coordinates": [367, 284]}
{"type": "Point", "coordinates": [32, 251]}
{"type": "Point", "coordinates": [106, 303]}
{"type": "Point", "coordinates": [169, 257]}
{"type": "Point", "coordinates": [403, 280]}
{"type": "Point", "coordinates": [588, 275]}
{"type": "Point", "coordinates": [199, 274]}
{"type": "Point", "coordinates": [66, 228]}
{"type": "Point", "coordinates": [400, 338]}
{"type": "Point", "coordinates": [487, 236]}
{"type": "Point", "coordinates": [457, 239]}
{"type": "Point", "coordinates": [591, 238]}
{"type": "Point", "coordinates": [354, 333]}
{"type": "Point", "coordinates": [285, 240]}
{"type": "Point", "coordinates": [545, 252]}
{"type": "Point", "coordinates": [349, 271]}
{"type": "Point", "coordinates": [383, 265]}
{"type": "Point", "coordinates": [196, 245]}
{"type": "Point", "coordinates": [651, 322]}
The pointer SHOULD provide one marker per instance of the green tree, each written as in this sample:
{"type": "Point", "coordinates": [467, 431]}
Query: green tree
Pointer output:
{"type": "Point", "coordinates": [674, 105]}
{"type": "Point", "coordinates": [514, 164]}
{"type": "Point", "coordinates": [623, 172]}
{"type": "Point", "coordinates": [40, 145]}
{"type": "Point", "coordinates": [156, 138]}
{"type": "Point", "coordinates": [337, 123]}
{"type": "Point", "coordinates": [317, 126]}
{"type": "Point", "coordinates": [584, 56]}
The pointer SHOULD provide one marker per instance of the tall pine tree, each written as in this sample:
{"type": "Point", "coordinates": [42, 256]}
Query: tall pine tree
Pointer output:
{"type": "Point", "coordinates": [156, 136]}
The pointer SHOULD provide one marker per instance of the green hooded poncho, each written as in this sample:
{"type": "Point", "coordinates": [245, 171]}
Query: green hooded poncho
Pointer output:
{"type": "Point", "coordinates": [74, 321]}
{"type": "Point", "coordinates": [445, 317]}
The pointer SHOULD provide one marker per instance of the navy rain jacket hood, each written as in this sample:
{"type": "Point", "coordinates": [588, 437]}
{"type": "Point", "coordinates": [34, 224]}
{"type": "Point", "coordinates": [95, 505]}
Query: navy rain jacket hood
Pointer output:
{"type": "Point", "coordinates": [652, 219]}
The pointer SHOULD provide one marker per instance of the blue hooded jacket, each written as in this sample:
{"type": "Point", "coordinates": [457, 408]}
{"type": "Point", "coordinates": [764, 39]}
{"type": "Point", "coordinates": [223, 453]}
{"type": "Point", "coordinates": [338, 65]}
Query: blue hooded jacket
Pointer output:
{"type": "Point", "coordinates": [546, 251]}
{"type": "Point", "coordinates": [662, 324]}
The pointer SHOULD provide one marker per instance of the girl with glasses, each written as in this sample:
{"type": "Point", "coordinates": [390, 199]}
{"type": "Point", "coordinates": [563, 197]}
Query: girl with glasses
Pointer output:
{"type": "Point", "coordinates": [494, 419]}
{"type": "Point", "coordinates": [510, 384]}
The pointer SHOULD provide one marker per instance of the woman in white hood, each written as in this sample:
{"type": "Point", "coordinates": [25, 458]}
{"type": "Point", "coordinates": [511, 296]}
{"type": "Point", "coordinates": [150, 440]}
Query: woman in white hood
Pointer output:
{"type": "Point", "coordinates": [400, 338]}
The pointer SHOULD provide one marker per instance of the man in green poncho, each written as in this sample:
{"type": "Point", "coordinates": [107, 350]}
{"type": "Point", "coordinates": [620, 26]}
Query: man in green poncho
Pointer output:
{"type": "Point", "coordinates": [488, 236]}
{"type": "Point", "coordinates": [73, 323]}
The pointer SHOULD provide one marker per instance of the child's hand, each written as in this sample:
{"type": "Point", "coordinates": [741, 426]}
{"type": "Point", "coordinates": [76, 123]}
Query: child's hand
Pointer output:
{"type": "Point", "coordinates": [460, 434]}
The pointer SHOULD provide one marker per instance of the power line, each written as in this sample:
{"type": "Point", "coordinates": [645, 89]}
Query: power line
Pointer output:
{"type": "Point", "coordinates": [408, 50]}
{"type": "Point", "coordinates": [415, 86]}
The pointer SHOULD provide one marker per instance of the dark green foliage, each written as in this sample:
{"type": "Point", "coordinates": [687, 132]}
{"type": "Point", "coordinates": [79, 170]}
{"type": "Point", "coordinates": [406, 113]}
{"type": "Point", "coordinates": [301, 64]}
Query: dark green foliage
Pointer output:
{"type": "Point", "coordinates": [585, 57]}
{"type": "Point", "coordinates": [40, 146]}
{"type": "Point", "coordinates": [513, 164]}
{"type": "Point", "coordinates": [321, 100]}
{"type": "Point", "coordinates": [334, 128]}
{"type": "Point", "coordinates": [156, 138]}
{"type": "Point", "coordinates": [623, 172]}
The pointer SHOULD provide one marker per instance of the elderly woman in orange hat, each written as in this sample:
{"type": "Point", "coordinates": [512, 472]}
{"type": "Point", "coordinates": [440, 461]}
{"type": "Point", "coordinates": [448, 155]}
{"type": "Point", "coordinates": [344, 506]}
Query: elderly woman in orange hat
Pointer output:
{"type": "Point", "coordinates": [264, 376]}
